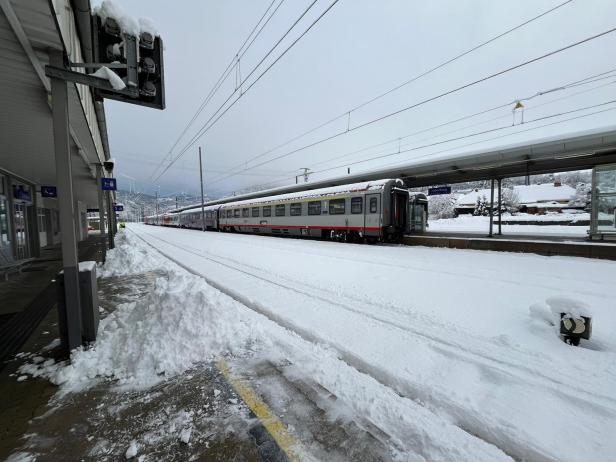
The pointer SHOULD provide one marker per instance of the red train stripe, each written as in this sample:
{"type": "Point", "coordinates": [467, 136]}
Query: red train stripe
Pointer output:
{"type": "Point", "coordinates": [348, 228]}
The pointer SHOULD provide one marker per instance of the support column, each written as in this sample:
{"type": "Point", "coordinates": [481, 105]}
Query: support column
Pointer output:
{"type": "Point", "coordinates": [11, 217]}
{"type": "Point", "coordinates": [101, 202]}
{"type": "Point", "coordinates": [491, 209]}
{"type": "Point", "coordinates": [500, 204]}
{"type": "Point", "coordinates": [64, 180]}
{"type": "Point", "coordinates": [110, 220]}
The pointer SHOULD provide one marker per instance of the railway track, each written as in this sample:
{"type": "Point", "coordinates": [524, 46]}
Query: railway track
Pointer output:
{"type": "Point", "coordinates": [467, 349]}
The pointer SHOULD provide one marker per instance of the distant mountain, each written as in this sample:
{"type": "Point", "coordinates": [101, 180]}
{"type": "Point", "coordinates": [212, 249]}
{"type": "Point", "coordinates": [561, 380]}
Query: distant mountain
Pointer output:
{"type": "Point", "coordinates": [137, 204]}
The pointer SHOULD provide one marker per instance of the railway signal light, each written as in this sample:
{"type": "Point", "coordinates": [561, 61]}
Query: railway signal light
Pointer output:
{"type": "Point", "coordinates": [136, 59]}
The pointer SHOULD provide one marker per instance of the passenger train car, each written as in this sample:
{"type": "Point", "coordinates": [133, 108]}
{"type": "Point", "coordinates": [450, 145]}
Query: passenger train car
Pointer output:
{"type": "Point", "coordinates": [372, 211]}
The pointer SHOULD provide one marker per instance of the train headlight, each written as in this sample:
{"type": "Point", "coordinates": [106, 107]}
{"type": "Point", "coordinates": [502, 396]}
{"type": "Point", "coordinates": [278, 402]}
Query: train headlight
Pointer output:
{"type": "Point", "coordinates": [575, 327]}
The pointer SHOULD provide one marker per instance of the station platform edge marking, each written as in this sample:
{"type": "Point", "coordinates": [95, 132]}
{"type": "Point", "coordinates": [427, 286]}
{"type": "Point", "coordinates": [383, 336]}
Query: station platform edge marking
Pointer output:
{"type": "Point", "coordinates": [285, 440]}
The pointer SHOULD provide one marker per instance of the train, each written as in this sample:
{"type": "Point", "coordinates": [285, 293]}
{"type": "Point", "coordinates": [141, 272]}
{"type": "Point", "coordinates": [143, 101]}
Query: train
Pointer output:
{"type": "Point", "coordinates": [361, 212]}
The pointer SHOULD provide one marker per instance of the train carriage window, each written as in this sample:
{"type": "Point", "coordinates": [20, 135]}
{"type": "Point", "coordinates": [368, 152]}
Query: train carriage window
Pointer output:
{"type": "Point", "coordinates": [314, 208]}
{"type": "Point", "coordinates": [245, 212]}
{"type": "Point", "coordinates": [267, 211]}
{"type": "Point", "coordinates": [296, 209]}
{"type": "Point", "coordinates": [236, 213]}
{"type": "Point", "coordinates": [255, 211]}
{"type": "Point", "coordinates": [357, 204]}
{"type": "Point", "coordinates": [336, 207]}
{"type": "Point", "coordinates": [373, 205]}
{"type": "Point", "coordinates": [280, 210]}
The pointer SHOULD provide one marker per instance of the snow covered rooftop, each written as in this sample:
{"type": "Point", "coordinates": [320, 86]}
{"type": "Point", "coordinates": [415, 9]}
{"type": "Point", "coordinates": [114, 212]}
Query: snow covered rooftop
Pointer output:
{"type": "Point", "coordinates": [543, 193]}
{"type": "Point", "coordinates": [526, 195]}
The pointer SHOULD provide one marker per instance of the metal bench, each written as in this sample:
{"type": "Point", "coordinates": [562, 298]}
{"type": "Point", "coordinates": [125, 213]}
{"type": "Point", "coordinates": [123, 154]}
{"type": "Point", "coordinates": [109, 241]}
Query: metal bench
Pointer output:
{"type": "Point", "coordinates": [9, 265]}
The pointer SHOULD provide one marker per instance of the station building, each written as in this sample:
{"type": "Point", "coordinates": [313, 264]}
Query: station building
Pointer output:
{"type": "Point", "coordinates": [30, 31]}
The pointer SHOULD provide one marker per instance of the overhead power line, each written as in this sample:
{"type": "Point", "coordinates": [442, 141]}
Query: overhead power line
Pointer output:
{"type": "Point", "coordinates": [425, 101]}
{"type": "Point", "coordinates": [218, 114]}
{"type": "Point", "coordinates": [574, 84]}
{"type": "Point", "coordinates": [225, 74]}
{"type": "Point", "coordinates": [347, 113]}
{"type": "Point", "coordinates": [477, 134]}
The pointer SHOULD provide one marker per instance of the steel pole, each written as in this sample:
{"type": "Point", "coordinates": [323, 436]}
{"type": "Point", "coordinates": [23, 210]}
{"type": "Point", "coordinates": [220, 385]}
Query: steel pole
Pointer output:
{"type": "Point", "coordinates": [491, 208]}
{"type": "Point", "coordinates": [66, 204]}
{"type": "Point", "coordinates": [110, 220]}
{"type": "Point", "coordinates": [202, 198]}
{"type": "Point", "coordinates": [500, 206]}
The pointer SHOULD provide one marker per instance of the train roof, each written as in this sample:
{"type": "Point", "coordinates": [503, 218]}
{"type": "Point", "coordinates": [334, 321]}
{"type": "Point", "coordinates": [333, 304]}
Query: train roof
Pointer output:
{"type": "Point", "coordinates": [207, 208]}
{"type": "Point", "coordinates": [331, 191]}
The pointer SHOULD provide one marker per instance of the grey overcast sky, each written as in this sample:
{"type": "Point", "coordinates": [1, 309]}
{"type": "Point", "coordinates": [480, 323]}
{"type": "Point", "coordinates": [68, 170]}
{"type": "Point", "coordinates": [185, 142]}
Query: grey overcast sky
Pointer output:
{"type": "Point", "coordinates": [358, 50]}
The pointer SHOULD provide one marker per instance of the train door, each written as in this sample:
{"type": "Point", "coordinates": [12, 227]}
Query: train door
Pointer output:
{"type": "Point", "coordinates": [372, 215]}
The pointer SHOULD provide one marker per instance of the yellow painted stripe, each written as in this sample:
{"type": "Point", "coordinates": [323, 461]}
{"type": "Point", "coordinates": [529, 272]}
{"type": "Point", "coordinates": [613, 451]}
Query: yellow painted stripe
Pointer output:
{"type": "Point", "coordinates": [285, 440]}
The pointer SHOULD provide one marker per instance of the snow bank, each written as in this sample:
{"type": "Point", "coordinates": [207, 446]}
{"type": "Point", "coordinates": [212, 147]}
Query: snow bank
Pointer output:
{"type": "Point", "coordinates": [181, 322]}
{"type": "Point", "coordinates": [128, 258]}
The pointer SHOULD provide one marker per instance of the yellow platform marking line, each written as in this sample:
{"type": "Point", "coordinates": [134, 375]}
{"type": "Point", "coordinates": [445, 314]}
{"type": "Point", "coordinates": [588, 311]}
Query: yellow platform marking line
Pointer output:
{"type": "Point", "coordinates": [285, 440]}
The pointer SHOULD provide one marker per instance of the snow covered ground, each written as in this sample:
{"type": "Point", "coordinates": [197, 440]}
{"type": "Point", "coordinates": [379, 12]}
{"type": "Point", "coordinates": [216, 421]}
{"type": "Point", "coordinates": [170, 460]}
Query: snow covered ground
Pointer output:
{"type": "Point", "coordinates": [472, 224]}
{"type": "Point", "coordinates": [450, 353]}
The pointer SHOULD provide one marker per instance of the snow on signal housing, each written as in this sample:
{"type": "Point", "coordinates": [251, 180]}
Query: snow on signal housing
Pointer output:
{"type": "Point", "coordinates": [143, 57]}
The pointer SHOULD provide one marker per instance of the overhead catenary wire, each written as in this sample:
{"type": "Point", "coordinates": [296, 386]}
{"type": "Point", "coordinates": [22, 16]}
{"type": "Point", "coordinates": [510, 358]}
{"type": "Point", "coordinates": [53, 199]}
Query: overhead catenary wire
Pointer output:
{"type": "Point", "coordinates": [225, 74]}
{"type": "Point", "coordinates": [428, 100]}
{"type": "Point", "coordinates": [395, 152]}
{"type": "Point", "coordinates": [470, 135]}
{"type": "Point", "coordinates": [217, 115]}
{"type": "Point", "coordinates": [486, 111]}
{"type": "Point", "coordinates": [347, 113]}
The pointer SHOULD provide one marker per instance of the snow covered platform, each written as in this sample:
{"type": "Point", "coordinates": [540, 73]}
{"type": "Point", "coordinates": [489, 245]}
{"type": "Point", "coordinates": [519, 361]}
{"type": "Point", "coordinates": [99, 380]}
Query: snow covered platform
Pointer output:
{"type": "Point", "coordinates": [569, 246]}
{"type": "Point", "coordinates": [420, 353]}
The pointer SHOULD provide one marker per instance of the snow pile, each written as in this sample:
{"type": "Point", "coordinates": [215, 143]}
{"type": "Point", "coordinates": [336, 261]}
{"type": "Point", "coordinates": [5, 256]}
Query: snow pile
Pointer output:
{"type": "Point", "coordinates": [110, 9]}
{"type": "Point", "coordinates": [114, 79]}
{"type": "Point", "coordinates": [548, 312]}
{"type": "Point", "coordinates": [181, 322]}
{"type": "Point", "coordinates": [128, 258]}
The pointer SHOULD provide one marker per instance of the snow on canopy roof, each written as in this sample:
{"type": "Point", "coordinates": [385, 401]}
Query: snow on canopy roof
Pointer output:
{"type": "Point", "coordinates": [128, 24]}
{"type": "Point", "coordinates": [543, 193]}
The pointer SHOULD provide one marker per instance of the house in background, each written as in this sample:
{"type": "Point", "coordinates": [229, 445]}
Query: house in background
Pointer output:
{"type": "Point", "coordinates": [535, 199]}
{"type": "Point", "coordinates": [538, 199]}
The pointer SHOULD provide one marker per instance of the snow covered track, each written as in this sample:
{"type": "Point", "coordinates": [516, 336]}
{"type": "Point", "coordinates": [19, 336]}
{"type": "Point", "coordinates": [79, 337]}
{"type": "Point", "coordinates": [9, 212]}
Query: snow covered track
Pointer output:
{"type": "Point", "coordinates": [406, 318]}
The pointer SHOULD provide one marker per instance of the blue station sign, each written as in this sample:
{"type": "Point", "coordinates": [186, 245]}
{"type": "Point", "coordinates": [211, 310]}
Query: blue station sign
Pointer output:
{"type": "Point", "coordinates": [118, 208]}
{"type": "Point", "coordinates": [49, 191]}
{"type": "Point", "coordinates": [109, 184]}
{"type": "Point", "coordinates": [439, 190]}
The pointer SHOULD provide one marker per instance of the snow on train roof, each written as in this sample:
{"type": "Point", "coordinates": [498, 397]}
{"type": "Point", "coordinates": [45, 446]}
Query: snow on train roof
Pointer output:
{"type": "Point", "coordinates": [331, 191]}
{"type": "Point", "coordinates": [207, 208]}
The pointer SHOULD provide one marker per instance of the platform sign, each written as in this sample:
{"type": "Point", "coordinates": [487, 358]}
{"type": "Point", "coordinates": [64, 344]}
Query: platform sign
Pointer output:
{"type": "Point", "coordinates": [92, 210]}
{"type": "Point", "coordinates": [439, 190]}
{"type": "Point", "coordinates": [49, 191]}
{"type": "Point", "coordinates": [109, 184]}
{"type": "Point", "coordinates": [118, 208]}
